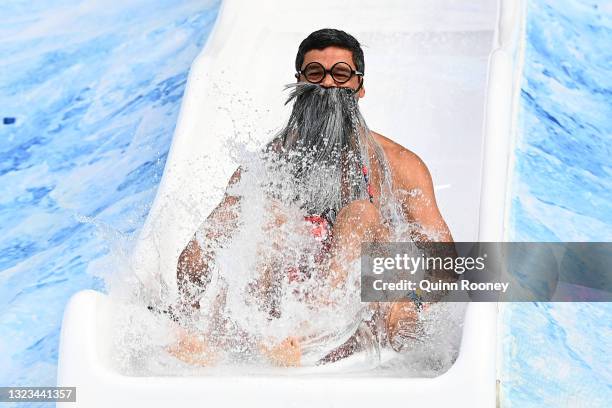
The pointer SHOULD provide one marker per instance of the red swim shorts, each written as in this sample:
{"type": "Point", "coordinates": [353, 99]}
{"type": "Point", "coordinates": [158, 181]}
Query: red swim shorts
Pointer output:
{"type": "Point", "coordinates": [321, 229]}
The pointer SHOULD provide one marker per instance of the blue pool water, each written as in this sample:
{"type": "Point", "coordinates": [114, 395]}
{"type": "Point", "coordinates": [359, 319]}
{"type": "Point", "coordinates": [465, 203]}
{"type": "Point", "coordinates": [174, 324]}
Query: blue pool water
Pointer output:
{"type": "Point", "coordinates": [558, 355]}
{"type": "Point", "coordinates": [94, 91]}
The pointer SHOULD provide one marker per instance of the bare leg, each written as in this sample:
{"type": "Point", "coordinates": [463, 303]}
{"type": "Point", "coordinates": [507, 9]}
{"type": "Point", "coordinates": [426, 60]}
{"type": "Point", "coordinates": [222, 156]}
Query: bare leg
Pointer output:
{"type": "Point", "coordinates": [360, 221]}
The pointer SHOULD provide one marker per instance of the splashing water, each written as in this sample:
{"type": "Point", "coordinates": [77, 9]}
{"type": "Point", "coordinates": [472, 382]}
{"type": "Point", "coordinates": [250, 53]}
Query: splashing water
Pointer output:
{"type": "Point", "coordinates": [264, 270]}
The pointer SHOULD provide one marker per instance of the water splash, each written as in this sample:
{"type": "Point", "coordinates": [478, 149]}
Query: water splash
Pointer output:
{"type": "Point", "coordinates": [267, 281]}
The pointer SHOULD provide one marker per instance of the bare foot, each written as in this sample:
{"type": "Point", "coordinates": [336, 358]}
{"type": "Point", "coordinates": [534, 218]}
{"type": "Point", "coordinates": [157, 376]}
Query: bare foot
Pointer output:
{"type": "Point", "coordinates": [193, 349]}
{"type": "Point", "coordinates": [286, 354]}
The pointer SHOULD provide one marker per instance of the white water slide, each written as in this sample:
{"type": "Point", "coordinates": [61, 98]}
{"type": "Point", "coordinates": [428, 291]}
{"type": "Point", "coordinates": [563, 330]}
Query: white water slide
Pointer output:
{"type": "Point", "coordinates": [441, 79]}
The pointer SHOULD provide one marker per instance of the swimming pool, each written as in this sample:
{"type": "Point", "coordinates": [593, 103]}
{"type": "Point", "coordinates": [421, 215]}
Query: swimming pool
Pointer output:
{"type": "Point", "coordinates": [95, 92]}
{"type": "Point", "coordinates": [558, 354]}
{"type": "Point", "coordinates": [96, 146]}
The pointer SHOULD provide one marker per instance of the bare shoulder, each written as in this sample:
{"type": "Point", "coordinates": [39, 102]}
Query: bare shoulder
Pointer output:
{"type": "Point", "coordinates": [408, 169]}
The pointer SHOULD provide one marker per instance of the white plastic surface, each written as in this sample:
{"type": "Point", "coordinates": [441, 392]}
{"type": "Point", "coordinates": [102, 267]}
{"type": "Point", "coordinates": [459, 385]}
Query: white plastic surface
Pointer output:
{"type": "Point", "coordinates": [426, 70]}
{"type": "Point", "coordinates": [470, 382]}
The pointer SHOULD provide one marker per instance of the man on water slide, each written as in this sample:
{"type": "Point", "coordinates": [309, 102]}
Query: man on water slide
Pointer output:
{"type": "Point", "coordinates": [326, 120]}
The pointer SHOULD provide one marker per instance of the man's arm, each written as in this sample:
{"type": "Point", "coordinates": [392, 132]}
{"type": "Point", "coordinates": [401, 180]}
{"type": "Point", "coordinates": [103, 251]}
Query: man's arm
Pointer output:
{"type": "Point", "coordinates": [418, 199]}
{"type": "Point", "coordinates": [414, 187]}
{"type": "Point", "coordinates": [193, 265]}
{"type": "Point", "coordinates": [192, 271]}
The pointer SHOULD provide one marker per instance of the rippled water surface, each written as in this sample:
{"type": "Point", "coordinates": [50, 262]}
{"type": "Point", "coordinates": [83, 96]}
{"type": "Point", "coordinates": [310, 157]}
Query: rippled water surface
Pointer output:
{"type": "Point", "coordinates": [94, 88]}
{"type": "Point", "coordinates": [558, 354]}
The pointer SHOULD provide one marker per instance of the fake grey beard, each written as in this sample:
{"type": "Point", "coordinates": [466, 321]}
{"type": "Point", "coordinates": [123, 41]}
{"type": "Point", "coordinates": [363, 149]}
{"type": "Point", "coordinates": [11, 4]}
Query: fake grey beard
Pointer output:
{"type": "Point", "coordinates": [324, 147]}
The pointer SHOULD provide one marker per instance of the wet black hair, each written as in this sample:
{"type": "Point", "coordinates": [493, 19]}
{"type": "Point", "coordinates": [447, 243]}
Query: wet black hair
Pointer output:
{"type": "Point", "coordinates": [328, 37]}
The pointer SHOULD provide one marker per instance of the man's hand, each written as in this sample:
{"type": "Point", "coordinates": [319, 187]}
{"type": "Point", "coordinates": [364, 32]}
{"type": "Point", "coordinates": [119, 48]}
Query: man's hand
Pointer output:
{"type": "Point", "coordinates": [403, 324]}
